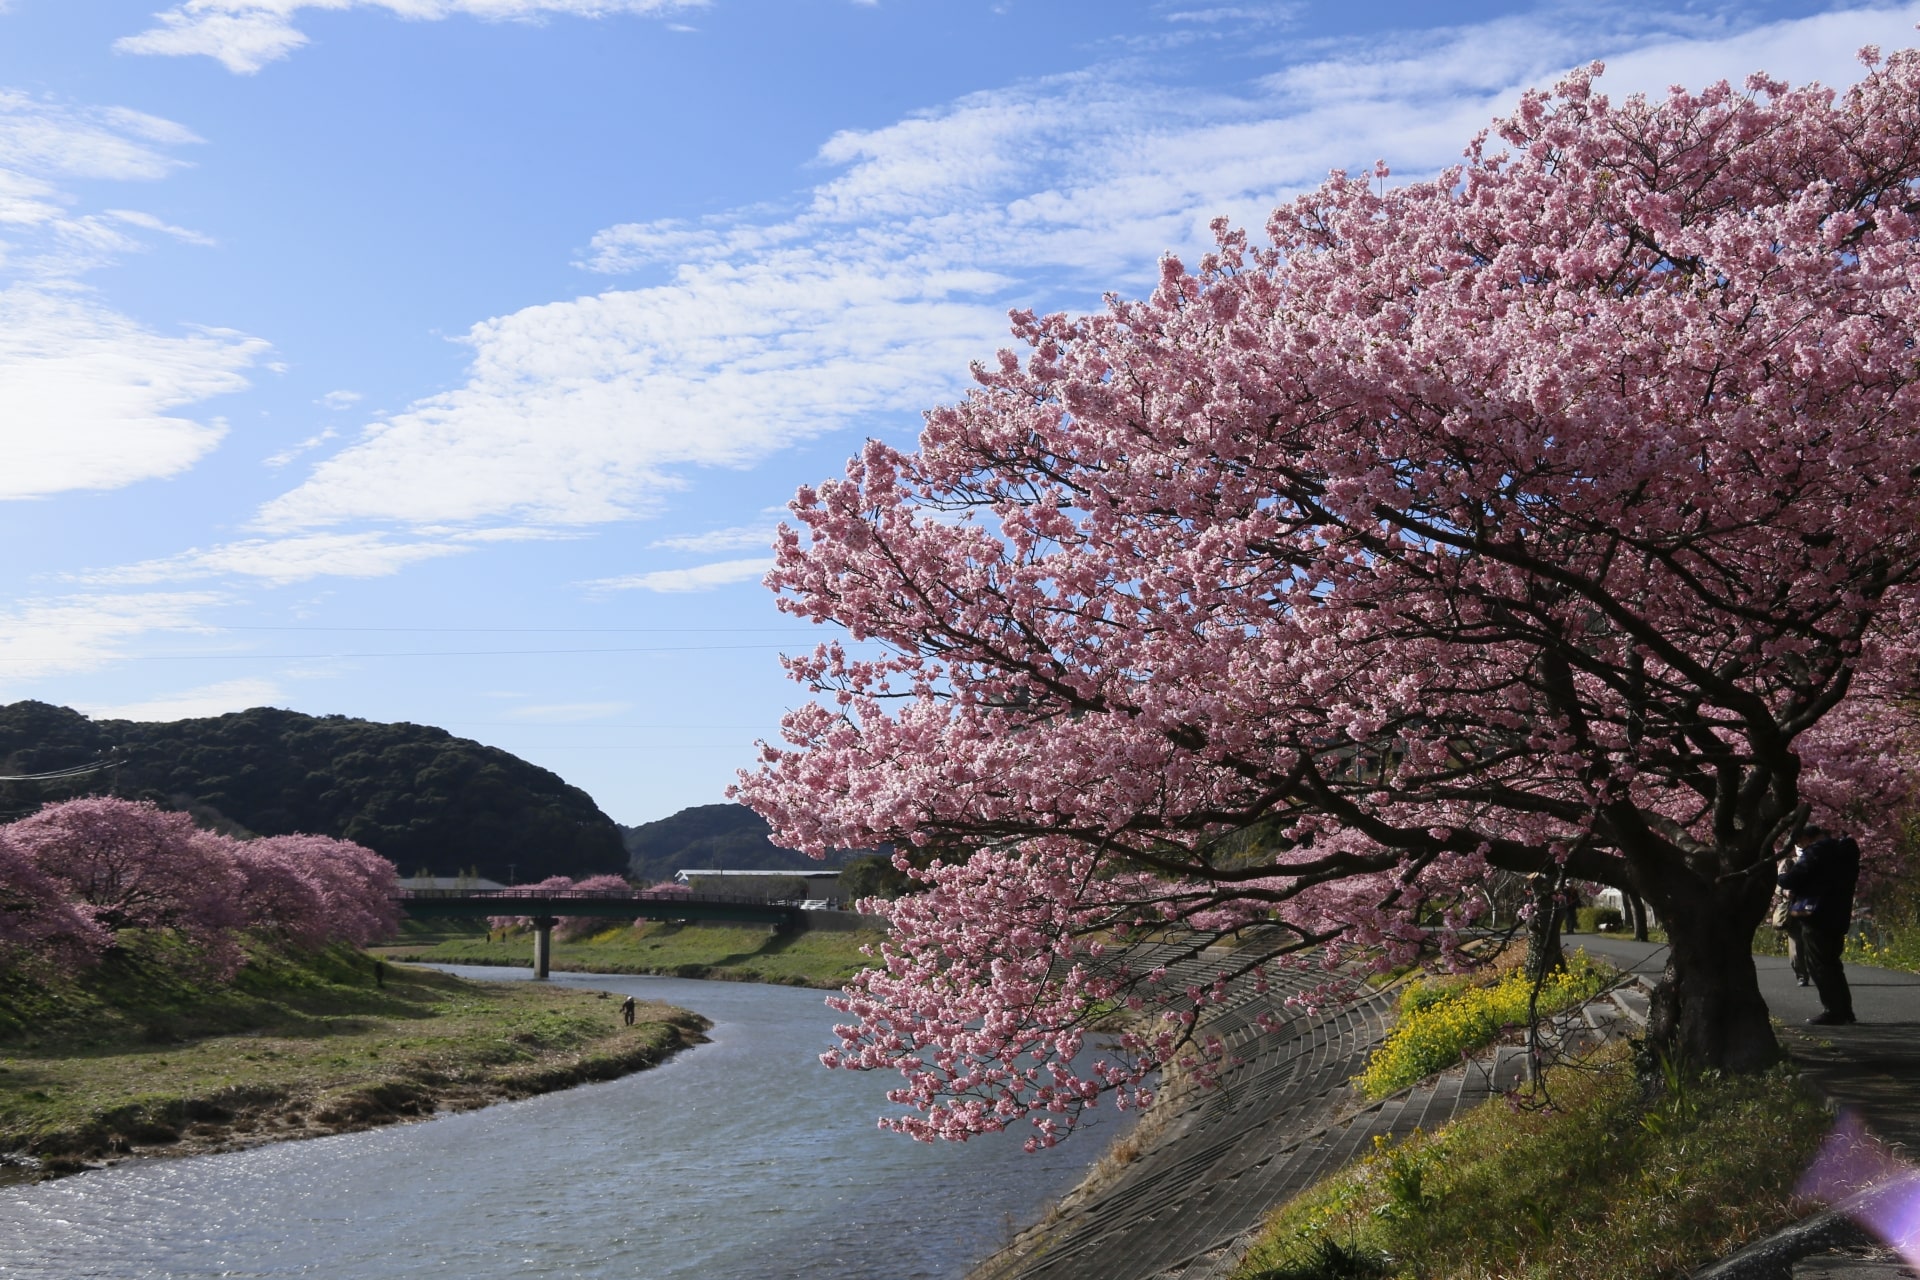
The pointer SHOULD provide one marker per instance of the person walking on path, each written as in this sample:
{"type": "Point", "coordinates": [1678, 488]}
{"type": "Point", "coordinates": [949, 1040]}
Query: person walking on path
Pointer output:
{"type": "Point", "coordinates": [1821, 882]}
{"type": "Point", "coordinates": [626, 1010]}
{"type": "Point", "coordinates": [1790, 928]}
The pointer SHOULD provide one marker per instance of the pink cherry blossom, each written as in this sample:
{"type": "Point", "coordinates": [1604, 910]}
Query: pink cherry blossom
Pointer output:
{"type": "Point", "coordinates": [37, 922]}
{"type": "Point", "coordinates": [1554, 514]}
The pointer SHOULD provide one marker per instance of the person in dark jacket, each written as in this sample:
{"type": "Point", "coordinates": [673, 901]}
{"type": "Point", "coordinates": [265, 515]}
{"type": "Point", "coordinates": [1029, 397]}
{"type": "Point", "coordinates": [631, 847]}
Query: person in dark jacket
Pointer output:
{"type": "Point", "coordinates": [1821, 882]}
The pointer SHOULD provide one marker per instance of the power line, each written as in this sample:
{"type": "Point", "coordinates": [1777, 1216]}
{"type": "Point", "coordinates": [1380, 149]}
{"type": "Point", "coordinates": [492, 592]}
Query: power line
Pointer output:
{"type": "Point", "coordinates": [73, 771]}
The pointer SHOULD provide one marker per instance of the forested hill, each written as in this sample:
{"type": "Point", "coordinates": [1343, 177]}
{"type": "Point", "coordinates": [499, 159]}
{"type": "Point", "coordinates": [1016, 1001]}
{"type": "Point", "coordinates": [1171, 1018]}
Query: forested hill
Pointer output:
{"type": "Point", "coordinates": [713, 836]}
{"type": "Point", "coordinates": [416, 794]}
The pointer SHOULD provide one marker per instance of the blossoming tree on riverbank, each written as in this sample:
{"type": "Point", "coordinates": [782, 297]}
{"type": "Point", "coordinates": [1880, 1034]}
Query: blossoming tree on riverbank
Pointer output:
{"type": "Point", "coordinates": [1557, 514]}
{"type": "Point", "coordinates": [76, 876]}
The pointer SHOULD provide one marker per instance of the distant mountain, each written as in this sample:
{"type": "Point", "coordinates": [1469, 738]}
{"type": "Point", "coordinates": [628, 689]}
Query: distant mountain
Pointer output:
{"type": "Point", "coordinates": [418, 795]}
{"type": "Point", "coordinates": [712, 836]}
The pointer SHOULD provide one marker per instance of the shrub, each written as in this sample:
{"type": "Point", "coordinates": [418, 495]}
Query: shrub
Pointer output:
{"type": "Point", "coordinates": [1593, 919]}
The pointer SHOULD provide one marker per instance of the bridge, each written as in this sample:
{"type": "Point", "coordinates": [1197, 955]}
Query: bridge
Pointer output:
{"type": "Point", "coordinates": [544, 909]}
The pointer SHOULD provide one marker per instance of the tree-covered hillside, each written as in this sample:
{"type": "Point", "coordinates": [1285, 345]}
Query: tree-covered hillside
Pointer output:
{"type": "Point", "coordinates": [415, 794]}
{"type": "Point", "coordinates": [713, 836]}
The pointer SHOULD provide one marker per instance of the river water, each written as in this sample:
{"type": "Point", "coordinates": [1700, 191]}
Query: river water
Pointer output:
{"type": "Point", "coordinates": [736, 1160]}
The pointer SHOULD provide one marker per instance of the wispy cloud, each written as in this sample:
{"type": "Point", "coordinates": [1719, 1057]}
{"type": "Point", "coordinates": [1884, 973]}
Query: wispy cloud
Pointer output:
{"type": "Point", "coordinates": [704, 577]}
{"type": "Point", "coordinates": [86, 393]}
{"type": "Point", "coordinates": [47, 144]}
{"type": "Point", "coordinates": [753, 537]}
{"type": "Point", "coordinates": [191, 704]}
{"type": "Point", "coordinates": [864, 301]}
{"type": "Point", "coordinates": [339, 400]}
{"type": "Point", "coordinates": [288, 454]}
{"type": "Point", "coordinates": [70, 634]}
{"type": "Point", "coordinates": [246, 35]}
{"type": "Point", "coordinates": [279, 561]}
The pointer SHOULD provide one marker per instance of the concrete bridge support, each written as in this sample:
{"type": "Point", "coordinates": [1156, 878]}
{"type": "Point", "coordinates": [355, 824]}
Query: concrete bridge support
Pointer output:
{"type": "Point", "coordinates": [542, 946]}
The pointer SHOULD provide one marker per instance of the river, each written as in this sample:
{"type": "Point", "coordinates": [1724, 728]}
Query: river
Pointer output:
{"type": "Point", "coordinates": [736, 1160]}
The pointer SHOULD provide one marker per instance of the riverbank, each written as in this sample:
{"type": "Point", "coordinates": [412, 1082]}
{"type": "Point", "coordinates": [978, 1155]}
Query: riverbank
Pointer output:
{"type": "Point", "coordinates": [136, 1059]}
{"type": "Point", "coordinates": [734, 953]}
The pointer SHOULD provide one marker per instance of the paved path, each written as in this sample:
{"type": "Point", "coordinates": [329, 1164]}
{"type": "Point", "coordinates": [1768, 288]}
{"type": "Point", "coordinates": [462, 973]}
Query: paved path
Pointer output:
{"type": "Point", "coordinates": [1871, 1068]}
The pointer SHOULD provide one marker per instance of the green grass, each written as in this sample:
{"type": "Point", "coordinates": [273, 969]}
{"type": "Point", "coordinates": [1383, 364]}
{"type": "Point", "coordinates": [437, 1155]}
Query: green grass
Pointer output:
{"type": "Point", "coordinates": [1440, 1019]}
{"type": "Point", "coordinates": [1602, 1184]}
{"type": "Point", "coordinates": [1897, 948]}
{"type": "Point", "coordinates": [135, 1056]}
{"type": "Point", "coordinates": [743, 953]}
{"type": "Point", "coordinates": [1887, 948]}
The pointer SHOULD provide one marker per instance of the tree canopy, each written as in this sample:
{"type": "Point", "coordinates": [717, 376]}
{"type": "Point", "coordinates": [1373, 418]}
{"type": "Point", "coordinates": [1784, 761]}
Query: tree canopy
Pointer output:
{"type": "Point", "coordinates": [1557, 514]}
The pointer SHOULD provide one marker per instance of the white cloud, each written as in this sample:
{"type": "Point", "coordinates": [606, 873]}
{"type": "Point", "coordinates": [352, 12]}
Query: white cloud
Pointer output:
{"type": "Point", "coordinates": [245, 35]}
{"type": "Point", "coordinates": [192, 704]}
{"type": "Point", "coordinates": [705, 577]}
{"type": "Point", "coordinates": [339, 400]}
{"type": "Point", "coordinates": [288, 454]}
{"type": "Point", "coordinates": [70, 634]}
{"type": "Point", "coordinates": [753, 537]}
{"type": "Point", "coordinates": [85, 393]}
{"type": "Point", "coordinates": [864, 301]}
{"type": "Point", "coordinates": [279, 561]}
{"type": "Point", "coordinates": [45, 143]}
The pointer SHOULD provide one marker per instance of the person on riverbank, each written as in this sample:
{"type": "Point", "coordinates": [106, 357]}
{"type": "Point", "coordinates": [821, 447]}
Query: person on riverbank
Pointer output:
{"type": "Point", "coordinates": [627, 1008]}
{"type": "Point", "coordinates": [1821, 881]}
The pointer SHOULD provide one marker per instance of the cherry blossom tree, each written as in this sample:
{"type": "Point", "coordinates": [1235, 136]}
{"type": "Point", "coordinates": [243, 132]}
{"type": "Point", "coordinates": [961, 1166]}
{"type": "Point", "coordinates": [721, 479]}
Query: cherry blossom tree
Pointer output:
{"type": "Point", "coordinates": [1558, 514]}
{"type": "Point", "coordinates": [37, 923]}
{"type": "Point", "coordinates": [318, 889]}
{"type": "Point", "coordinates": [572, 927]}
{"type": "Point", "coordinates": [133, 865]}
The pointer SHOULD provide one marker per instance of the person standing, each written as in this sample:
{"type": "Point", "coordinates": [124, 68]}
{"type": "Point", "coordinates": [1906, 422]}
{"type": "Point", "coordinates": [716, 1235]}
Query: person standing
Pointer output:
{"type": "Point", "coordinates": [1789, 927]}
{"type": "Point", "coordinates": [1821, 882]}
{"type": "Point", "coordinates": [626, 1009]}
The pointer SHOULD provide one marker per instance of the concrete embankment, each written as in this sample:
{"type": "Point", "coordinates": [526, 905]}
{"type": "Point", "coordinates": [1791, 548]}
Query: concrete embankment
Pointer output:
{"type": "Point", "coordinates": [1209, 1170]}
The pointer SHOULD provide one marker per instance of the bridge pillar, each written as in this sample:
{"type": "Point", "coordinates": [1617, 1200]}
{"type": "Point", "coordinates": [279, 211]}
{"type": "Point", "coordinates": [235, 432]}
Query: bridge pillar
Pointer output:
{"type": "Point", "coordinates": [542, 946]}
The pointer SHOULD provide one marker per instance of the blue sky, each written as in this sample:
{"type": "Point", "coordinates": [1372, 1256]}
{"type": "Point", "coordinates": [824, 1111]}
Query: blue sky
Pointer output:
{"type": "Point", "coordinates": [451, 360]}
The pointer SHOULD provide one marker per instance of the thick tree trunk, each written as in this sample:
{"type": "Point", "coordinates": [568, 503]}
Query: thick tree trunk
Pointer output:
{"type": "Point", "coordinates": [1707, 1008]}
{"type": "Point", "coordinates": [1638, 905]}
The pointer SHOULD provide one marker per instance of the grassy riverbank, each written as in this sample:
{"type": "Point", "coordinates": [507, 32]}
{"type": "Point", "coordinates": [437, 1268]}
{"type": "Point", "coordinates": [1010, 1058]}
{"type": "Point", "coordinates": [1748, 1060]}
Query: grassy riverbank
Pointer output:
{"type": "Point", "coordinates": [134, 1057]}
{"type": "Point", "coordinates": [1606, 1183]}
{"type": "Point", "coordinates": [740, 953]}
